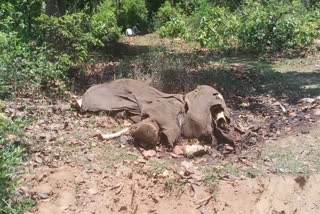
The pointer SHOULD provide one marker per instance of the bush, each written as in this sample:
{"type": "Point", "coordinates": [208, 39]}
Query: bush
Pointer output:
{"type": "Point", "coordinates": [104, 23]}
{"type": "Point", "coordinates": [276, 25]}
{"type": "Point", "coordinates": [69, 34]}
{"type": "Point", "coordinates": [19, 16]}
{"type": "Point", "coordinates": [170, 21]}
{"type": "Point", "coordinates": [18, 64]}
{"type": "Point", "coordinates": [248, 24]}
{"type": "Point", "coordinates": [130, 13]}
{"type": "Point", "coordinates": [216, 28]}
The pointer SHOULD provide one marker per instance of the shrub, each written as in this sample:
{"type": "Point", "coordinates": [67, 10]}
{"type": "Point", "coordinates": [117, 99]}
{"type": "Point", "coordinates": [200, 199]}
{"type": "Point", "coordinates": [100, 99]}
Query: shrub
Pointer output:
{"type": "Point", "coordinates": [217, 28]}
{"type": "Point", "coordinates": [18, 64]}
{"type": "Point", "coordinates": [104, 23]}
{"type": "Point", "coordinates": [248, 24]}
{"type": "Point", "coordinates": [131, 12]}
{"type": "Point", "coordinates": [19, 16]}
{"type": "Point", "coordinates": [170, 21]}
{"type": "Point", "coordinates": [275, 25]}
{"type": "Point", "coordinates": [69, 34]}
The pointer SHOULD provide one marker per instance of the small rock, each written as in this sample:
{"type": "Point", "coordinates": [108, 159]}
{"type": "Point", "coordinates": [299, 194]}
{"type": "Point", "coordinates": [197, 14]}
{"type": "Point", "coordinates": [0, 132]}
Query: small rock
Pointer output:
{"type": "Point", "coordinates": [149, 153]}
{"type": "Point", "coordinates": [316, 112]}
{"type": "Point", "coordinates": [178, 150]}
{"type": "Point", "coordinates": [188, 166]}
{"type": "Point", "coordinates": [92, 191]}
{"type": "Point", "coordinates": [44, 191]}
{"type": "Point", "coordinates": [194, 150]}
{"type": "Point", "coordinates": [43, 195]}
{"type": "Point", "coordinates": [27, 190]}
{"type": "Point", "coordinates": [123, 208]}
{"type": "Point", "coordinates": [228, 148]}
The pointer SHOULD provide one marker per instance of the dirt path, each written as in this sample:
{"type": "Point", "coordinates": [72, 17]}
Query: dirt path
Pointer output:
{"type": "Point", "coordinates": [69, 170]}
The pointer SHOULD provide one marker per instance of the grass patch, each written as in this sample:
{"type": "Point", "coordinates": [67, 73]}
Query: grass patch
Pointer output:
{"type": "Point", "coordinates": [174, 185]}
{"type": "Point", "coordinates": [10, 157]}
{"type": "Point", "coordinates": [156, 165]}
{"type": "Point", "coordinates": [212, 175]}
{"type": "Point", "coordinates": [285, 161]}
{"type": "Point", "coordinates": [252, 172]}
{"type": "Point", "coordinates": [115, 154]}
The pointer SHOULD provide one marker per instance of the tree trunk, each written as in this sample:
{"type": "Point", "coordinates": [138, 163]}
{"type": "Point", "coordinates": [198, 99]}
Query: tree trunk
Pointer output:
{"type": "Point", "coordinates": [55, 7]}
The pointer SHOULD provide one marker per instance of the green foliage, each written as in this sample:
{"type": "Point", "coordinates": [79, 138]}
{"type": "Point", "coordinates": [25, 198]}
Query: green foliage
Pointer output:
{"type": "Point", "coordinates": [170, 21]}
{"type": "Point", "coordinates": [57, 43]}
{"type": "Point", "coordinates": [217, 29]}
{"type": "Point", "coordinates": [104, 23]}
{"type": "Point", "coordinates": [131, 12]}
{"type": "Point", "coordinates": [251, 25]}
{"type": "Point", "coordinates": [69, 34]}
{"type": "Point", "coordinates": [10, 157]}
{"type": "Point", "coordinates": [276, 25]}
{"type": "Point", "coordinates": [18, 64]}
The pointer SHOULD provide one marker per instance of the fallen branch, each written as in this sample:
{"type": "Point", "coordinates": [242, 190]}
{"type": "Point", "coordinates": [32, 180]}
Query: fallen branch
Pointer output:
{"type": "Point", "coordinates": [110, 136]}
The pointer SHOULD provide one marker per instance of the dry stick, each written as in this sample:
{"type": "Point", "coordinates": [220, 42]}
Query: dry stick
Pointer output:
{"type": "Point", "coordinates": [133, 192]}
{"type": "Point", "coordinates": [110, 136]}
{"type": "Point", "coordinates": [135, 209]}
{"type": "Point", "coordinates": [116, 186]}
{"type": "Point", "coordinates": [283, 108]}
{"type": "Point", "coordinates": [120, 189]}
{"type": "Point", "coordinates": [206, 200]}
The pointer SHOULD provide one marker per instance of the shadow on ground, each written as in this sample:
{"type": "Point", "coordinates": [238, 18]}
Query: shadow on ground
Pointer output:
{"type": "Point", "coordinates": [179, 72]}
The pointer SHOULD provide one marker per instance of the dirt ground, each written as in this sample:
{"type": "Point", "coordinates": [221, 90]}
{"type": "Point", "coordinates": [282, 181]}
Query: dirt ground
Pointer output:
{"type": "Point", "coordinates": [70, 170]}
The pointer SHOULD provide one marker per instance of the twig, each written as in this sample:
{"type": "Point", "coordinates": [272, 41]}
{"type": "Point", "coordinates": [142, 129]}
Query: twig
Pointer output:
{"type": "Point", "coordinates": [113, 135]}
{"type": "Point", "coordinates": [48, 106]}
{"type": "Point", "coordinates": [206, 200]}
{"type": "Point", "coordinates": [116, 186]}
{"type": "Point", "coordinates": [283, 108]}
{"type": "Point", "coordinates": [134, 211]}
{"type": "Point", "coordinates": [133, 194]}
{"type": "Point", "coordinates": [120, 189]}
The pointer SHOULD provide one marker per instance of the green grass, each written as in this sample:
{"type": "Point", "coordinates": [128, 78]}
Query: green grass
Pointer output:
{"type": "Point", "coordinates": [10, 157]}
{"type": "Point", "coordinates": [213, 174]}
{"type": "Point", "coordinates": [113, 154]}
{"type": "Point", "coordinates": [284, 160]}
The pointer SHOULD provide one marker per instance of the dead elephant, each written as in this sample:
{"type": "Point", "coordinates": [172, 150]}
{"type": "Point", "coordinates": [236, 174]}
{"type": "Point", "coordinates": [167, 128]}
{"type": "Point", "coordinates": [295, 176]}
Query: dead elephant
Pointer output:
{"type": "Point", "coordinates": [162, 117]}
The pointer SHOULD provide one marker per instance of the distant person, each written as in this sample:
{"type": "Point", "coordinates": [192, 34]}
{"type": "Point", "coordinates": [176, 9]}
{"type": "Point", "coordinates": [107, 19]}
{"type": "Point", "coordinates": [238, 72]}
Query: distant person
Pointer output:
{"type": "Point", "coordinates": [136, 30]}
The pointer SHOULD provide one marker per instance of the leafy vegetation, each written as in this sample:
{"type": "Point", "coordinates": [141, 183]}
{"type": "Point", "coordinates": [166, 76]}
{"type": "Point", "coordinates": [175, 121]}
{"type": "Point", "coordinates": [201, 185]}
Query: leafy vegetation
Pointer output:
{"type": "Point", "coordinates": [131, 12]}
{"type": "Point", "coordinates": [10, 157]}
{"type": "Point", "coordinates": [250, 25]}
{"type": "Point", "coordinates": [170, 21]}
